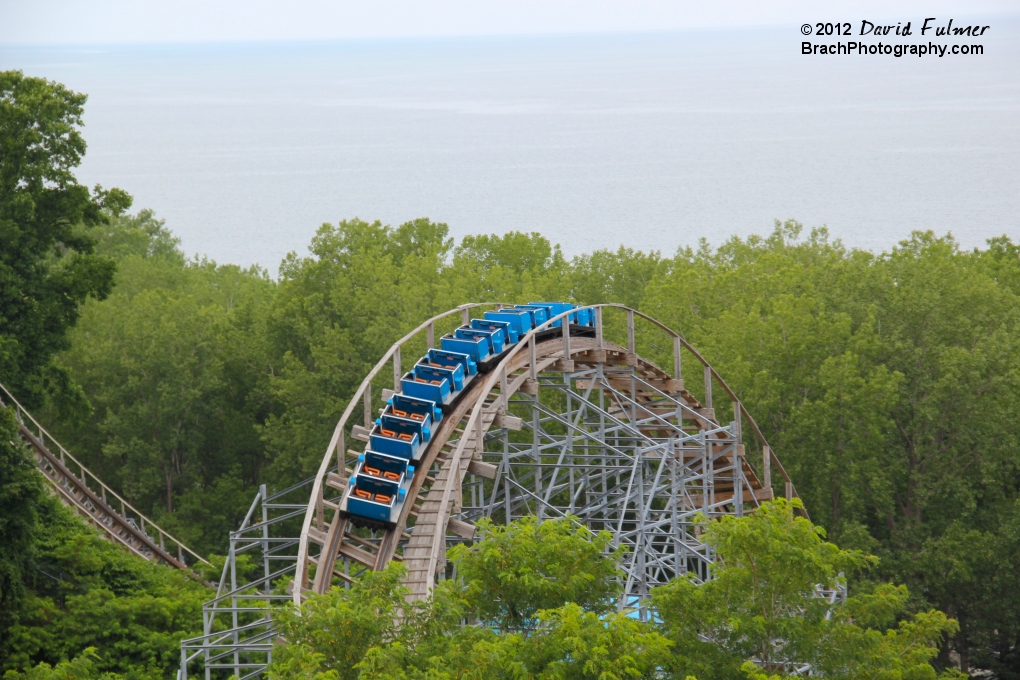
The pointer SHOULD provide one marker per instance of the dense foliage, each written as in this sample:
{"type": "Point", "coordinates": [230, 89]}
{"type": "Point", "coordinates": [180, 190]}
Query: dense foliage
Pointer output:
{"type": "Point", "coordinates": [79, 591]}
{"type": "Point", "coordinates": [63, 590]}
{"type": "Point", "coordinates": [47, 264]}
{"type": "Point", "coordinates": [762, 605]}
{"type": "Point", "coordinates": [20, 489]}
{"type": "Point", "coordinates": [354, 633]}
{"type": "Point", "coordinates": [889, 385]}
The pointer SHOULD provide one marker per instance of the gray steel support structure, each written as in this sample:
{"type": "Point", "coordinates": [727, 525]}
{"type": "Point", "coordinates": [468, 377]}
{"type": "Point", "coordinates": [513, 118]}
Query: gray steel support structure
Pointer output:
{"type": "Point", "coordinates": [568, 422]}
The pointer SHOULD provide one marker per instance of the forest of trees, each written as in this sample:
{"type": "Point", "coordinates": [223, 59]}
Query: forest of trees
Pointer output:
{"type": "Point", "coordinates": [888, 384]}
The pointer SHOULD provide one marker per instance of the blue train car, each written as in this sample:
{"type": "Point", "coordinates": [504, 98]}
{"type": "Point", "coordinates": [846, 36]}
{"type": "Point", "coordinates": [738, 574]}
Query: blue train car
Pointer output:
{"type": "Point", "coordinates": [494, 338]}
{"type": "Point", "coordinates": [436, 389]}
{"type": "Point", "coordinates": [539, 315]}
{"type": "Point", "coordinates": [442, 357]}
{"type": "Point", "coordinates": [509, 331]}
{"type": "Point", "coordinates": [556, 308]}
{"type": "Point", "coordinates": [385, 471]}
{"type": "Point", "coordinates": [519, 319]}
{"type": "Point", "coordinates": [432, 371]}
{"type": "Point", "coordinates": [425, 410]}
{"type": "Point", "coordinates": [378, 487]}
{"type": "Point", "coordinates": [402, 437]}
{"type": "Point", "coordinates": [477, 347]}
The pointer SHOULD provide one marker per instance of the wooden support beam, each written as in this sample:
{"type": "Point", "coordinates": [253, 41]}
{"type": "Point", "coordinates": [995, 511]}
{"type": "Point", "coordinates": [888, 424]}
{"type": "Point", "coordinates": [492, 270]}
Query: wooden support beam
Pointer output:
{"type": "Point", "coordinates": [357, 554]}
{"type": "Point", "coordinates": [487, 470]}
{"type": "Point", "coordinates": [336, 481]}
{"type": "Point", "coordinates": [507, 421]}
{"type": "Point", "coordinates": [532, 358]}
{"type": "Point", "coordinates": [566, 339]}
{"type": "Point", "coordinates": [462, 529]}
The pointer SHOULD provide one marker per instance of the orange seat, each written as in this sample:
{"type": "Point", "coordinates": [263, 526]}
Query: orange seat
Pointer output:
{"type": "Point", "coordinates": [375, 472]}
{"type": "Point", "coordinates": [383, 498]}
{"type": "Point", "coordinates": [398, 412]}
{"type": "Point", "coordinates": [387, 433]}
{"type": "Point", "coordinates": [361, 493]}
{"type": "Point", "coordinates": [417, 416]}
{"type": "Point", "coordinates": [391, 476]}
{"type": "Point", "coordinates": [404, 436]}
{"type": "Point", "coordinates": [436, 382]}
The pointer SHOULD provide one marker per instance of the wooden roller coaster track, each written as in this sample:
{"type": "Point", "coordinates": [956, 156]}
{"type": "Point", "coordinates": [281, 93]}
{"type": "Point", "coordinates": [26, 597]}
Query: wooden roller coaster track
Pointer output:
{"type": "Point", "coordinates": [565, 422]}
{"type": "Point", "coordinates": [656, 398]}
{"type": "Point", "coordinates": [88, 496]}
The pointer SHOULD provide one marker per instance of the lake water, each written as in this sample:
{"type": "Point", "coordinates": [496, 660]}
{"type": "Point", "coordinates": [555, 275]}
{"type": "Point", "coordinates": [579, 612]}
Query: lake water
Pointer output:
{"type": "Point", "coordinates": [652, 141]}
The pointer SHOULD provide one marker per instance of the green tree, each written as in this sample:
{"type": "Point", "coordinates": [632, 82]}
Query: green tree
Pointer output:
{"type": "Point", "coordinates": [20, 494]}
{"type": "Point", "coordinates": [47, 264]}
{"type": "Point", "coordinates": [764, 605]}
{"type": "Point", "coordinates": [174, 363]}
{"type": "Point", "coordinates": [86, 592]}
{"type": "Point", "coordinates": [336, 312]}
{"type": "Point", "coordinates": [622, 276]}
{"type": "Point", "coordinates": [887, 384]}
{"type": "Point", "coordinates": [576, 644]}
{"type": "Point", "coordinates": [369, 631]}
{"type": "Point", "coordinates": [330, 634]}
{"type": "Point", "coordinates": [516, 571]}
{"type": "Point", "coordinates": [81, 667]}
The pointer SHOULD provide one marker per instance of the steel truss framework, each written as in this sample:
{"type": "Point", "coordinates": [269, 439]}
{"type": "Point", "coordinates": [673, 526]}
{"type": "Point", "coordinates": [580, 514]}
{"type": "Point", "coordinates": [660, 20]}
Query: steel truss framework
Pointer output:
{"type": "Point", "coordinates": [566, 423]}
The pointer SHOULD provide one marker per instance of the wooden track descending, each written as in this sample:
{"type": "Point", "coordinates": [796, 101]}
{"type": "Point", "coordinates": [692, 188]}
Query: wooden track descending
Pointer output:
{"type": "Point", "coordinates": [617, 395]}
{"type": "Point", "coordinates": [81, 490]}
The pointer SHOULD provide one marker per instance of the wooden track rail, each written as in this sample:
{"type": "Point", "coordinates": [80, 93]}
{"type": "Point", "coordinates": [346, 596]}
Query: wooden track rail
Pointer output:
{"type": "Point", "coordinates": [81, 490]}
{"type": "Point", "coordinates": [456, 449]}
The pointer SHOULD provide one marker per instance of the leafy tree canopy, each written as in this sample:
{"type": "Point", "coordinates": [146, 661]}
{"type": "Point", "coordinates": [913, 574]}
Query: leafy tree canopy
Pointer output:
{"type": "Point", "coordinates": [516, 571]}
{"type": "Point", "coordinates": [48, 266]}
{"type": "Point", "coordinates": [762, 617]}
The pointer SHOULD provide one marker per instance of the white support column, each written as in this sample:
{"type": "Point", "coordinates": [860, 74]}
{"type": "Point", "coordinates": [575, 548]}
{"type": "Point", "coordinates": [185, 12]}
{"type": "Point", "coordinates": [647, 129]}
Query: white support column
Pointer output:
{"type": "Point", "coordinates": [708, 387]}
{"type": "Point", "coordinates": [368, 406]}
{"type": "Point", "coordinates": [532, 357]}
{"type": "Point", "coordinates": [566, 338]}
{"type": "Point", "coordinates": [631, 340]}
{"type": "Point", "coordinates": [504, 398]}
{"type": "Point", "coordinates": [341, 447]}
{"type": "Point", "coordinates": [397, 373]}
{"type": "Point", "coordinates": [677, 372]}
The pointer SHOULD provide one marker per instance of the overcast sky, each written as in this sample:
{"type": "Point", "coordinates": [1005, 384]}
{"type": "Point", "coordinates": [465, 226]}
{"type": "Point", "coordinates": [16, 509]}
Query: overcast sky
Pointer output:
{"type": "Point", "coordinates": [149, 21]}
